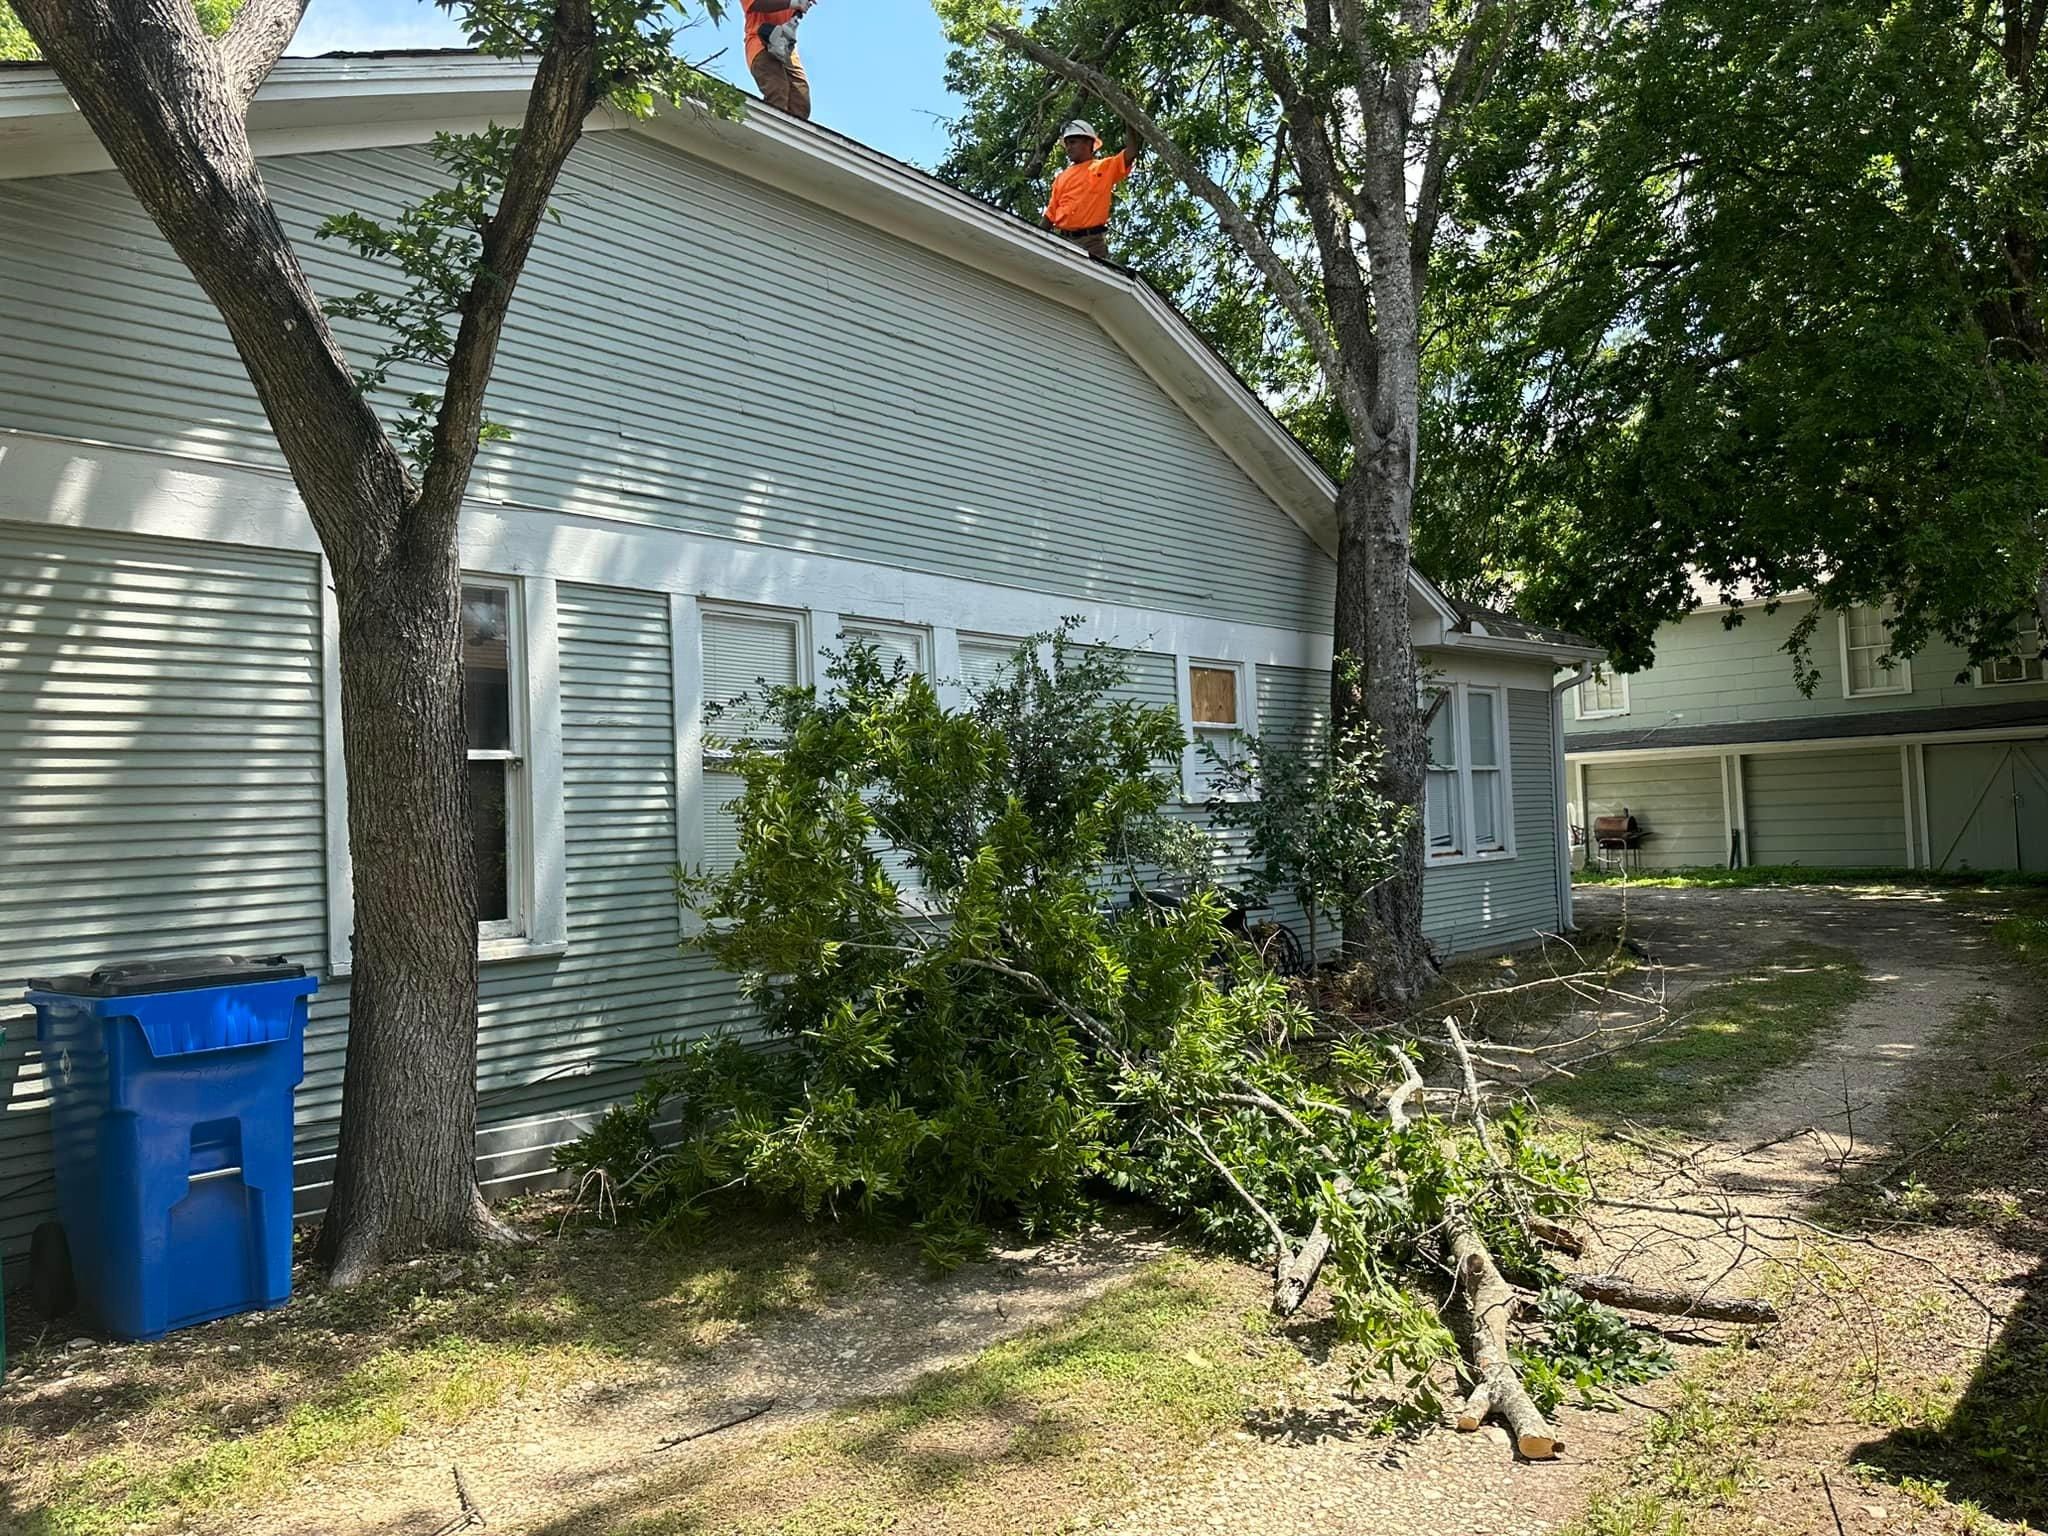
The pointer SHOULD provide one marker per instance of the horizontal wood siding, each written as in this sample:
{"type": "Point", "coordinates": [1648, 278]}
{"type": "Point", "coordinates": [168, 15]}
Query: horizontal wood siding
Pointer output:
{"type": "Point", "coordinates": [160, 779]}
{"type": "Point", "coordinates": [933, 400]}
{"type": "Point", "coordinates": [1679, 804]}
{"type": "Point", "coordinates": [1708, 674]}
{"type": "Point", "coordinates": [1837, 810]}
{"type": "Point", "coordinates": [1509, 901]}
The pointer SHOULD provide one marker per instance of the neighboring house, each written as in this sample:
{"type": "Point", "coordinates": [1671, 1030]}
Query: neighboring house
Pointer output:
{"type": "Point", "coordinates": [769, 390]}
{"type": "Point", "coordinates": [1931, 762]}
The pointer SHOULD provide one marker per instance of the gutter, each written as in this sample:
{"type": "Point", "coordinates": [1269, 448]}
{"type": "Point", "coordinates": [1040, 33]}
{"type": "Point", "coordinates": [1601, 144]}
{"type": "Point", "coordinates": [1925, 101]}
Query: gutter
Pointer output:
{"type": "Point", "coordinates": [1558, 690]}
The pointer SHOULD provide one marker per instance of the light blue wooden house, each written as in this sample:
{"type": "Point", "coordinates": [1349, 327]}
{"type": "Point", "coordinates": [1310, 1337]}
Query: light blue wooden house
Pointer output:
{"type": "Point", "coordinates": [1926, 762]}
{"type": "Point", "coordinates": [170, 767]}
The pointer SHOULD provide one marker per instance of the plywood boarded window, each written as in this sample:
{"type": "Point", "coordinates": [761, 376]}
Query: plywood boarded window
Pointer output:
{"type": "Point", "coordinates": [1214, 690]}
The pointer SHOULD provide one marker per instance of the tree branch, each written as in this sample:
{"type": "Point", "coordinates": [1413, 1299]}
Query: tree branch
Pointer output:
{"type": "Point", "coordinates": [563, 95]}
{"type": "Point", "coordinates": [1462, 91]}
{"type": "Point", "coordinates": [1243, 233]}
{"type": "Point", "coordinates": [250, 48]}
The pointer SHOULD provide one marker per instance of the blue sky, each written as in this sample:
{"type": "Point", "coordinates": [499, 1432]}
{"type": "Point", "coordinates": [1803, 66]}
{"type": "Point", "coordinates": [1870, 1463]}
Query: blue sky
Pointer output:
{"type": "Point", "coordinates": [877, 67]}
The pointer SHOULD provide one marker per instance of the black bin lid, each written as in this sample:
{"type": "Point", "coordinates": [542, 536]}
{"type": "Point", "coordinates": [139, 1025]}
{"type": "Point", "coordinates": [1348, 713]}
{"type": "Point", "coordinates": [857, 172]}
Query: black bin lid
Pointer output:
{"type": "Point", "coordinates": [181, 973]}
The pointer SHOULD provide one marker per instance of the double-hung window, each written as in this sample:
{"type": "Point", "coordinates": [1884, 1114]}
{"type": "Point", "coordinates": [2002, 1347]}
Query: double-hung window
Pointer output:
{"type": "Point", "coordinates": [1866, 645]}
{"type": "Point", "coordinates": [746, 653]}
{"type": "Point", "coordinates": [1603, 695]}
{"type": "Point", "coordinates": [494, 723]}
{"type": "Point", "coordinates": [2023, 666]}
{"type": "Point", "coordinates": [1466, 804]}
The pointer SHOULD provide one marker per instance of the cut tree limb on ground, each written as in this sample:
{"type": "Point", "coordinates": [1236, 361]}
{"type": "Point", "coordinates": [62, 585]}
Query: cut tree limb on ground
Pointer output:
{"type": "Point", "coordinates": [1617, 1292]}
{"type": "Point", "coordinates": [1485, 1303]}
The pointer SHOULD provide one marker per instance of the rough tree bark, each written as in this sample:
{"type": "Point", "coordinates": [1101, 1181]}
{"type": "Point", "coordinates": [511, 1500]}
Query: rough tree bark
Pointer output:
{"type": "Point", "coordinates": [169, 105]}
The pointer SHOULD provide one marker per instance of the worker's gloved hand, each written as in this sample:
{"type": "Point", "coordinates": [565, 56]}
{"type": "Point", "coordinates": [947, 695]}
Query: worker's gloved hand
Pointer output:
{"type": "Point", "coordinates": [782, 41]}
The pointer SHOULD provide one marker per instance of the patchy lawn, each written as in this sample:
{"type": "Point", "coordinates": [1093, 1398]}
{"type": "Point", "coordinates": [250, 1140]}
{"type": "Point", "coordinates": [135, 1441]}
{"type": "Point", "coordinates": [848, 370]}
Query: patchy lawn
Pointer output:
{"type": "Point", "coordinates": [564, 1366]}
{"type": "Point", "coordinates": [113, 1438]}
{"type": "Point", "coordinates": [1720, 1040]}
{"type": "Point", "coordinates": [1911, 1372]}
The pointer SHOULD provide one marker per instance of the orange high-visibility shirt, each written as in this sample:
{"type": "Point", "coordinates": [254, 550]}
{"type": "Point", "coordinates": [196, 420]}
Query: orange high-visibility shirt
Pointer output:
{"type": "Point", "coordinates": [1081, 193]}
{"type": "Point", "coordinates": [763, 13]}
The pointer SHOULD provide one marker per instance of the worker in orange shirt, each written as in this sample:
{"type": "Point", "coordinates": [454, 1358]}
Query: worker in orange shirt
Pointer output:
{"type": "Point", "coordinates": [1079, 207]}
{"type": "Point", "coordinates": [771, 54]}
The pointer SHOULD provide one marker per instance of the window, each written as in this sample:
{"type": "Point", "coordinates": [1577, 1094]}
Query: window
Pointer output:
{"type": "Point", "coordinates": [895, 642]}
{"type": "Point", "coordinates": [494, 724]}
{"type": "Point", "coordinates": [983, 659]}
{"type": "Point", "coordinates": [1443, 797]}
{"type": "Point", "coordinates": [2023, 666]}
{"type": "Point", "coordinates": [1866, 641]}
{"type": "Point", "coordinates": [1216, 714]}
{"type": "Point", "coordinates": [1603, 695]}
{"type": "Point", "coordinates": [1466, 804]}
{"type": "Point", "coordinates": [745, 652]}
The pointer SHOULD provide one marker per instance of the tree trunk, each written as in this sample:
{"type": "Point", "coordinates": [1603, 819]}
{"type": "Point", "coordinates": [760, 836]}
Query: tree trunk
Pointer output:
{"type": "Point", "coordinates": [405, 1173]}
{"type": "Point", "coordinates": [1372, 626]}
{"type": "Point", "coordinates": [1483, 1302]}
{"type": "Point", "coordinates": [168, 105]}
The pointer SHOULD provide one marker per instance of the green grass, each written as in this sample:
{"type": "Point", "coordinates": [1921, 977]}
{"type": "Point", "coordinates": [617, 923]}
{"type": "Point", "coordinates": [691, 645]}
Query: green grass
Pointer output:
{"type": "Point", "coordinates": [1722, 1040]}
{"type": "Point", "coordinates": [1699, 1458]}
{"type": "Point", "coordinates": [1708, 877]}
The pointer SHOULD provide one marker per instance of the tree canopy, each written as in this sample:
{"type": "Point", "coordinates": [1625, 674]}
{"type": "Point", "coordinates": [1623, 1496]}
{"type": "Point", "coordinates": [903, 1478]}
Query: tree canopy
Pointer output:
{"type": "Point", "coordinates": [1731, 296]}
{"type": "Point", "coordinates": [1755, 313]}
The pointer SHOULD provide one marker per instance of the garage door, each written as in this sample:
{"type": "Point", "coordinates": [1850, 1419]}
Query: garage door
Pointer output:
{"type": "Point", "coordinates": [1987, 805]}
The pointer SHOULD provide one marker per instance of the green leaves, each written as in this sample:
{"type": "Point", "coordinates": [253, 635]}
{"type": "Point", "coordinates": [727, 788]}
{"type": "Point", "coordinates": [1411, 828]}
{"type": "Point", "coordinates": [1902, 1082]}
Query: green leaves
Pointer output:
{"type": "Point", "coordinates": [436, 244]}
{"type": "Point", "coordinates": [1743, 305]}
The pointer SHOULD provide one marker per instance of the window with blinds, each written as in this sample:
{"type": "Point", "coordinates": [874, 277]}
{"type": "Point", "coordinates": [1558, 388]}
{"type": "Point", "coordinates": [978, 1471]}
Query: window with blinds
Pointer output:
{"type": "Point", "coordinates": [983, 658]}
{"type": "Point", "coordinates": [897, 643]}
{"type": "Point", "coordinates": [745, 654]}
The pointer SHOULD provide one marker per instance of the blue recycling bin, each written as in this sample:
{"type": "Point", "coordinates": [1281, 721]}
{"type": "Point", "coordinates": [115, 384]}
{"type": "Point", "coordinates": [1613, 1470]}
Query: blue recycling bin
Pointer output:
{"type": "Point", "coordinates": [171, 1108]}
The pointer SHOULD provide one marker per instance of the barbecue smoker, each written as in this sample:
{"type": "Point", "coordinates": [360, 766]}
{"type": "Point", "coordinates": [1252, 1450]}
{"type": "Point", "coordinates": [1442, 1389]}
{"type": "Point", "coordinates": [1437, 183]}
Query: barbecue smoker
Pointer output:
{"type": "Point", "coordinates": [1617, 840]}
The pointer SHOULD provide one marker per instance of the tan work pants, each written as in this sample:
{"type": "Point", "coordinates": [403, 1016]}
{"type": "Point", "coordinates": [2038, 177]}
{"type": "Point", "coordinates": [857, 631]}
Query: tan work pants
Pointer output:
{"type": "Point", "coordinates": [784, 87]}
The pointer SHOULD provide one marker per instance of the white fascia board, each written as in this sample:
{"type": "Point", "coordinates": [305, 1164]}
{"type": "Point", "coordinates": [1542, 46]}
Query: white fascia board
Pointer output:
{"type": "Point", "coordinates": [1529, 650]}
{"type": "Point", "coordinates": [306, 105]}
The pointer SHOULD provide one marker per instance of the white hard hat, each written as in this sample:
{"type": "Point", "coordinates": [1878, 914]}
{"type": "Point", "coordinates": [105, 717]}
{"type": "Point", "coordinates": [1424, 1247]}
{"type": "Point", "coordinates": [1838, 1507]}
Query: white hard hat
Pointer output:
{"type": "Point", "coordinates": [1079, 129]}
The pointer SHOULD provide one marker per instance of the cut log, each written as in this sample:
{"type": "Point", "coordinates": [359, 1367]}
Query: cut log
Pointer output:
{"type": "Point", "coordinates": [1473, 1411]}
{"type": "Point", "coordinates": [1486, 1300]}
{"type": "Point", "coordinates": [1617, 1292]}
{"type": "Point", "coordinates": [1295, 1274]}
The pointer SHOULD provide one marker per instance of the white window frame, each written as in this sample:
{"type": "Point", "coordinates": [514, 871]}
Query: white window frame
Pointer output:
{"type": "Point", "coordinates": [2027, 655]}
{"type": "Point", "coordinates": [920, 635]}
{"type": "Point", "coordinates": [517, 925]}
{"type": "Point", "coordinates": [1194, 786]}
{"type": "Point", "coordinates": [803, 623]}
{"type": "Point", "coordinates": [1582, 696]}
{"type": "Point", "coordinates": [1459, 702]}
{"type": "Point", "coordinates": [1901, 669]}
